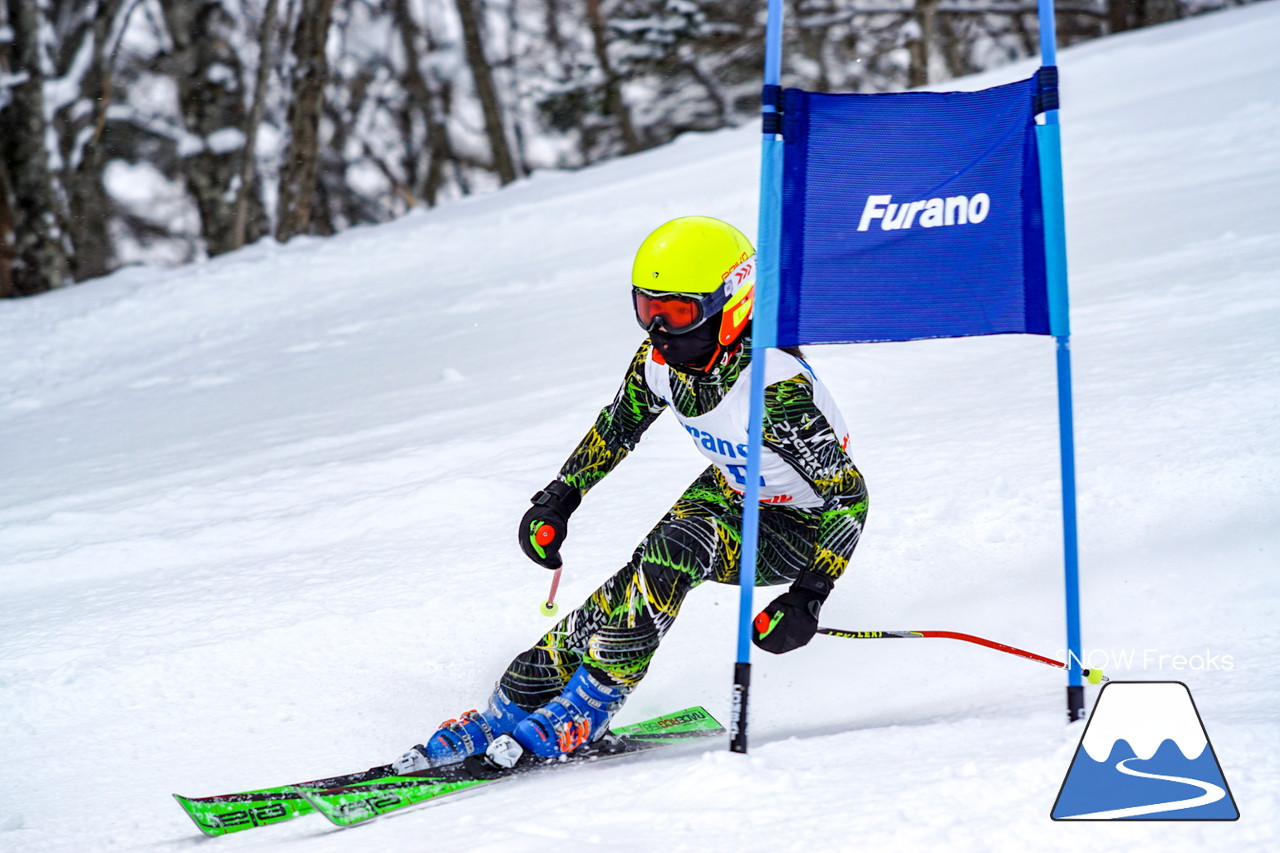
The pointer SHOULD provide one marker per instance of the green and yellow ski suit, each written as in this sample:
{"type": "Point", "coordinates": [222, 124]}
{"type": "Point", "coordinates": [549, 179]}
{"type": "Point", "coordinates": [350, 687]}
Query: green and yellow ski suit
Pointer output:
{"type": "Point", "coordinates": [814, 503]}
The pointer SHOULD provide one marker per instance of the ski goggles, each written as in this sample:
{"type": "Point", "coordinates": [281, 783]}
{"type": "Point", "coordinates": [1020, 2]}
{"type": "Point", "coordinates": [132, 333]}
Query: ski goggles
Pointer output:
{"type": "Point", "coordinates": [677, 313]}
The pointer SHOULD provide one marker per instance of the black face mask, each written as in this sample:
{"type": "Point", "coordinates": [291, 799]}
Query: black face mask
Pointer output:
{"type": "Point", "coordinates": [694, 349]}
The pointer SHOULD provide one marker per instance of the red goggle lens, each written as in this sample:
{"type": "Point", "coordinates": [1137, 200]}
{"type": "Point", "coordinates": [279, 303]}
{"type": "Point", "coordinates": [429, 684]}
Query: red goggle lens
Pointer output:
{"type": "Point", "coordinates": [676, 313]}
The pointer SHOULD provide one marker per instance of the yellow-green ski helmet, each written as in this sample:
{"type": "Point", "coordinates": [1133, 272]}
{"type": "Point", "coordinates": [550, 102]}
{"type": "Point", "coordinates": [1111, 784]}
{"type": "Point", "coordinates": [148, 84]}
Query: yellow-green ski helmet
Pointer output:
{"type": "Point", "coordinates": [688, 272]}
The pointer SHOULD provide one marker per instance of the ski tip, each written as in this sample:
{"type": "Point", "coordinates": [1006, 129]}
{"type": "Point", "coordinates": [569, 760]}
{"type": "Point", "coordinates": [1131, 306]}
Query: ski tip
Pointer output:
{"type": "Point", "coordinates": [189, 808]}
{"type": "Point", "coordinates": [228, 813]}
{"type": "Point", "coordinates": [339, 810]}
{"type": "Point", "coordinates": [355, 804]}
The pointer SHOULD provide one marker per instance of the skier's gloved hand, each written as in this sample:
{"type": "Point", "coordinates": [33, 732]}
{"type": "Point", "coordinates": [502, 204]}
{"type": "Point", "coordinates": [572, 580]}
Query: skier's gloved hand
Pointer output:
{"type": "Point", "coordinates": [791, 620]}
{"type": "Point", "coordinates": [545, 525]}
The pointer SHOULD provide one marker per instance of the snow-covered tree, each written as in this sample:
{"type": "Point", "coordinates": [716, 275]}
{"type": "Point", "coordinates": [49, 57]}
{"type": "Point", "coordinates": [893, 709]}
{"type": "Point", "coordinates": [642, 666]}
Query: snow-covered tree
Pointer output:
{"type": "Point", "coordinates": [162, 131]}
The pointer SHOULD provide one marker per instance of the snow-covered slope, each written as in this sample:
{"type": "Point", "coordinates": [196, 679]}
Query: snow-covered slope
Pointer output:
{"type": "Point", "coordinates": [257, 515]}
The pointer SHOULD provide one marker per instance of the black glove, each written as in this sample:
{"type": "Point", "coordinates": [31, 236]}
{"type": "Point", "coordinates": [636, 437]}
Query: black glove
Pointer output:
{"type": "Point", "coordinates": [546, 524]}
{"type": "Point", "coordinates": [791, 620]}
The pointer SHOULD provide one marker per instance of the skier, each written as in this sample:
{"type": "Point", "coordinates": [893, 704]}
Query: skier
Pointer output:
{"type": "Point", "coordinates": [693, 286]}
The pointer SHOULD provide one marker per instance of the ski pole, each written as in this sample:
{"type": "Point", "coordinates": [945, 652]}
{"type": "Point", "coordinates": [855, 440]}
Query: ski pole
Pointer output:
{"type": "Point", "coordinates": [1094, 676]}
{"type": "Point", "coordinates": [542, 537]}
{"type": "Point", "coordinates": [549, 607]}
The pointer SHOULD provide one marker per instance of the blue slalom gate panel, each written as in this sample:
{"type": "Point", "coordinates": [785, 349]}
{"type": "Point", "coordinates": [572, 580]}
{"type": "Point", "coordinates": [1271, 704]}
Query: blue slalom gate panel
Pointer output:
{"type": "Point", "coordinates": [911, 215]}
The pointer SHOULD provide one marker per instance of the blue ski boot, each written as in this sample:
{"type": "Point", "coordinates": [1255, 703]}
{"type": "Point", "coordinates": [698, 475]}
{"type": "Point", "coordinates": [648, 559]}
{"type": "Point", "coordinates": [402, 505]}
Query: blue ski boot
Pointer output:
{"type": "Point", "coordinates": [470, 734]}
{"type": "Point", "coordinates": [580, 714]}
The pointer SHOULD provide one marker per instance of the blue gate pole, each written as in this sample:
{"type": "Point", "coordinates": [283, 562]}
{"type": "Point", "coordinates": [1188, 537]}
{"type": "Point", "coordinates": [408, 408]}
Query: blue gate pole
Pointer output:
{"type": "Point", "coordinates": [764, 334]}
{"type": "Point", "coordinates": [1049, 145]}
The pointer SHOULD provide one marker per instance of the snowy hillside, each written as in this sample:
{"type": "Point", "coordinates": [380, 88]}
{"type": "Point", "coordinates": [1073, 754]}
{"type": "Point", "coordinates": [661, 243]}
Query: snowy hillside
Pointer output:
{"type": "Point", "coordinates": [257, 515]}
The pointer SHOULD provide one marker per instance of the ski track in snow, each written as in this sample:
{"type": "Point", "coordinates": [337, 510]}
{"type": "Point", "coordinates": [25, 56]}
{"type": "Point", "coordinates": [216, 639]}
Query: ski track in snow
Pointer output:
{"type": "Point", "coordinates": [257, 515]}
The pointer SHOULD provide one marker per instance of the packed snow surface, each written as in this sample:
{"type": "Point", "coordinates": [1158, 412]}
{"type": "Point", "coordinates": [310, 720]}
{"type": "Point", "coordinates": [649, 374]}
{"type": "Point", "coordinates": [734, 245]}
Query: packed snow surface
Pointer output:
{"type": "Point", "coordinates": [258, 514]}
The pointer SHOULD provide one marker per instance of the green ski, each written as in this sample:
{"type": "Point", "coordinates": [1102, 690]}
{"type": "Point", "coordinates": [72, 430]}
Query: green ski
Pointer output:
{"type": "Point", "coordinates": [226, 813]}
{"type": "Point", "coordinates": [354, 793]}
{"type": "Point", "coordinates": [357, 802]}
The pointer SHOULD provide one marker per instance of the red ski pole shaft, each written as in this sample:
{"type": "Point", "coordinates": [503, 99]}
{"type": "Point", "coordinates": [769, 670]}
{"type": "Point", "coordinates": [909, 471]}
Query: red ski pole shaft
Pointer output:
{"type": "Point", "coordinates": [1094, 676]}
{"type": "Point", "coordinates": [555, 584]}
{"type": "Point", "coordinates": [542, 537]}
{"type": "Point", "coordinates": [549, 607]}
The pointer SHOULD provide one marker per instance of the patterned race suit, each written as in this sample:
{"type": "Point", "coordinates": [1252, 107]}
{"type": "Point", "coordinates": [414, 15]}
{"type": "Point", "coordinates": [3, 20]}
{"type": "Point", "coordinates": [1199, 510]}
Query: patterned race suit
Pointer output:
{"type": "Point", "coordinates": [617, 630]}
